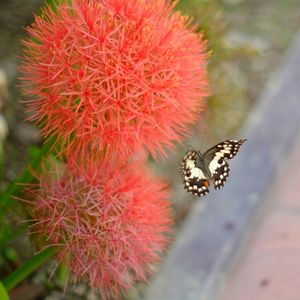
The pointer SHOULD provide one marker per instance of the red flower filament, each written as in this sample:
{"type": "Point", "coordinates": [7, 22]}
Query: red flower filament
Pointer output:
{"type": "Point", "coordinates": [108, 222]}
{"type": "Point", "coordinates": [115, 77]}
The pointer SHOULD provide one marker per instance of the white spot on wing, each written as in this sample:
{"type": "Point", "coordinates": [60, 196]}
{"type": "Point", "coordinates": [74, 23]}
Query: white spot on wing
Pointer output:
{"type": "Point", "coordinates": [196, 172]}
{"type": "Point", "coordinates": [213, 165]}
{"type": "Point", "coordinates": [190, 164]}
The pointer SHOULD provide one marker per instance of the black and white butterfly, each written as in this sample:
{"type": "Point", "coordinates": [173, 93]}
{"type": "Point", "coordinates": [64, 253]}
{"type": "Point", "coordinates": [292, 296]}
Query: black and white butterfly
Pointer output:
{"type": "Point", "coordinates": [200, 169]}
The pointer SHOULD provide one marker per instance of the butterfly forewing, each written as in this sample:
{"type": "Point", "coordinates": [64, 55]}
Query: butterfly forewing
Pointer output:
{"type": "Point", "coordinates": [216, 157]}
{"type": "Point", "coordinates": [198, 169]}
{"type": "Point", "coordinates": [225, 150]}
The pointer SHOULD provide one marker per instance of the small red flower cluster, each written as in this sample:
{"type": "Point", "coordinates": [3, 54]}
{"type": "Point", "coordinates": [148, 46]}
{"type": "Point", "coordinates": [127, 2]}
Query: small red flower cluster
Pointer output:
{"type": "Point", "coordinates": [109, 80]}
{"type": "Point", "coordinates": [108, 221]}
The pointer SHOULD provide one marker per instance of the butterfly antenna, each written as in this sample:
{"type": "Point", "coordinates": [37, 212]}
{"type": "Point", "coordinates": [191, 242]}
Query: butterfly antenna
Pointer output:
{"type": "Point", "coordinates": [190, 147]}
{"type": "Point", "coordinates": [202, 141]}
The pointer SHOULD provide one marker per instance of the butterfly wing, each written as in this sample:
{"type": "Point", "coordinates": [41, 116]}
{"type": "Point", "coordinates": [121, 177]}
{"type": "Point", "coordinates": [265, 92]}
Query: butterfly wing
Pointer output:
{"type": "Point", "coordinates": [215, 159]}
{"type": "Point", "coordinates": [224, 150]}
{"type": "Point", "coordinates": [195, 181]}
{"type": "Point", "coordinates": [219, 169]}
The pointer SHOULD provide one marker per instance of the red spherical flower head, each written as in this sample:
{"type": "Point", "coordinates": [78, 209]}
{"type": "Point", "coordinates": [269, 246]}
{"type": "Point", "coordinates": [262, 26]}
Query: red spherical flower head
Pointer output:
{"type": "Point", "coordinates": [108, 222]}
{"type": "Point", "coordinates": [114, 76]}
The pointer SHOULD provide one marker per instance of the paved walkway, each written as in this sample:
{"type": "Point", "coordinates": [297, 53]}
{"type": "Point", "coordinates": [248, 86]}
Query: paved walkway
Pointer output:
{"type": "Point", "coordinates": [268, 267]}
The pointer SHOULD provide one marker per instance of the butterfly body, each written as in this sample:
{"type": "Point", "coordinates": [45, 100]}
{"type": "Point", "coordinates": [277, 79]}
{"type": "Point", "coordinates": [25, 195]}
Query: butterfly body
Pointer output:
{"type": "Point", "coordinates": [200, 169]}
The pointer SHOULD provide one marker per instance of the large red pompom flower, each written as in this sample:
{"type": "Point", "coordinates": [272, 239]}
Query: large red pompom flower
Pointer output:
{"type": "Point", "coordinates": [114, 76]}
{"type": "Point", "coordinates": [109, 223]}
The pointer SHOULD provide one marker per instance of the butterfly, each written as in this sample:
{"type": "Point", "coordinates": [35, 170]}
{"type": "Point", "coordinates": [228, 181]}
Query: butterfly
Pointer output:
{"type": "Point", "coordinates": [200, 169]}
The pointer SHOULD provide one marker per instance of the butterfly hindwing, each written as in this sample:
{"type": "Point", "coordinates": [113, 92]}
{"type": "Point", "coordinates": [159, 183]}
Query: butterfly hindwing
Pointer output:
{"type": "Point", "coordinates": [219, 169]}
{"type": "Point", "coordinates": [195, 181]}
{"type": "Point", "coordinates": [199, 169]}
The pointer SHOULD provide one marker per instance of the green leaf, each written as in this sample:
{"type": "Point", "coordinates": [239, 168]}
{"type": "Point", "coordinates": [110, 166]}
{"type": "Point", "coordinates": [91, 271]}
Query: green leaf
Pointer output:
{"type": "Point", "coordinates": [17, 185]}
{"type": "Point", "coordinates": [9, 254]}
{"type": "Point", "coordinates": [3, 293]}
{"type": "Point", "coordinates": [1, 160]}
{"type": "Point", "coordinates": [33, 152]}
{"type": "Point", "coordinates": [62, 274]}
{"type": "Point", "coordinates": [55, 3]}
{"type": "Point", "coordinates": [8, 234]}
{"type": "Point", "coordinates": [27, 268]}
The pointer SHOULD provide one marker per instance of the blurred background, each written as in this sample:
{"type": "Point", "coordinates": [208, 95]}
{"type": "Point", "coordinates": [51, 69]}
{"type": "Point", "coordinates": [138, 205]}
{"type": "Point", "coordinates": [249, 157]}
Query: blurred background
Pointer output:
{"type": "Point", "coordinates": [247, 40]}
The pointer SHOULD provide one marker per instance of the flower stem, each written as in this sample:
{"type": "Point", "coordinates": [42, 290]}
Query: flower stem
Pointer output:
{"type": "Point", "coordinates": [26, 268]}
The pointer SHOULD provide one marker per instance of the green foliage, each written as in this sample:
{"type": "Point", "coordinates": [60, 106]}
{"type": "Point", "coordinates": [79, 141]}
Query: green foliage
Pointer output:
{"type": "Point", "coordinates": [1, 160]}
{"type": "Point", "coordinates": [8, 232]}
{"type": "Point", "coordinates": [27, 268]}
{"type": "Point", "coordinates": [16, 186]}
{"type": "Point", "coordinates": [3, 293]}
